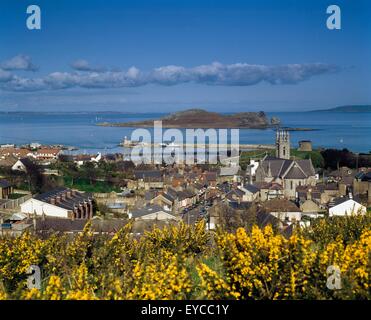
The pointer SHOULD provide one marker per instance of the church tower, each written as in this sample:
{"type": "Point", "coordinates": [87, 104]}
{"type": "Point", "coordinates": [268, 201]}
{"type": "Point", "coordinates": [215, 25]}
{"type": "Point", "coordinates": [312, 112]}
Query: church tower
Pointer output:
{"type": "Point", "coordinates": [282, 144]}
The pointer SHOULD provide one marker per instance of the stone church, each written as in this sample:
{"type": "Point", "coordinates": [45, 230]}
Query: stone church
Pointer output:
{"type": "Point", "coordinates": [285, 171]}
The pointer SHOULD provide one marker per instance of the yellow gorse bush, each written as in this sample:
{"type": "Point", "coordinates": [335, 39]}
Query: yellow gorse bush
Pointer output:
{"type": "Point", "coordinates": [17, 254]}
{"type": "Point", "coordinates": [188, 262]}
{"type": "Point", "coordinates": [161, 277]}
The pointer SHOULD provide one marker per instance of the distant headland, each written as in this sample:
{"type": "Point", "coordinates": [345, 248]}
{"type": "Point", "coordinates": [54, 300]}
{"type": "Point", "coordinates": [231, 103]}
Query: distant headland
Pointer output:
{"type": "Point", "coordinates": [350, 108]}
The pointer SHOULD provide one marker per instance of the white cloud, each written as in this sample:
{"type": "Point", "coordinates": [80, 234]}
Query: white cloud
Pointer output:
{"type": "Point", "coordinates": [5, 76]}
{"type": "Point", "coordinates": [238, 74]}
{"type": "Point", "coordinates": [19, 62]}
{"type": "Point", "coordinates": [83, 65]}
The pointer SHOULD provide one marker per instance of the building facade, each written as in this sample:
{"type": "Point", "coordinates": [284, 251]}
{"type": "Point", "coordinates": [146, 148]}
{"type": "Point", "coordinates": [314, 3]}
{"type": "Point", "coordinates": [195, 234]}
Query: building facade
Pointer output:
{"type": "Point", "coordinates": [61, 203]}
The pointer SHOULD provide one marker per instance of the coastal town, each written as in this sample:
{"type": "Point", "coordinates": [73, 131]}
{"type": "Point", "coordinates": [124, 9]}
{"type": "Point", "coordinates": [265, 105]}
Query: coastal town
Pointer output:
{"type": "Point", "coordinates": [184, 159]}
{"type": "Point", "coordinates": [44, 190]}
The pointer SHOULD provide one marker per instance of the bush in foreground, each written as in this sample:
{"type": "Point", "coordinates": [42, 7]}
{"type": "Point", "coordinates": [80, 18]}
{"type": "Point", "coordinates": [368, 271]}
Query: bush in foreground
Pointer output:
{"type": "Point", "coordinates": [187, 262]}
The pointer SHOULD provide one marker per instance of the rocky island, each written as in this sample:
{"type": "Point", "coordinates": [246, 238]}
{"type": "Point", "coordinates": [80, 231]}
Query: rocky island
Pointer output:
{"type": "Point", "coordinates": [198, 118]}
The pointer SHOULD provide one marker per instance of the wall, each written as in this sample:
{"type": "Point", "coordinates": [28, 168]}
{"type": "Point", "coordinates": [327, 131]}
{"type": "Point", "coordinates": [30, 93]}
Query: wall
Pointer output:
{"type": "Point", "coordinates": [33, 206]}
{"type": "Point", "coordinates": [12, 204]}
{"type": "Point", "coordinates": [347, 208]}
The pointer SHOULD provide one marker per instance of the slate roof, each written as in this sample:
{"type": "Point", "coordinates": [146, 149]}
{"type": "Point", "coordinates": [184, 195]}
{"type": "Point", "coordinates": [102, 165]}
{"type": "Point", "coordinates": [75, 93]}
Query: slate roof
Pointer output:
{"type": "Point", "coordinates": [147, 210]}
{"type": "Point", "coordinates": [150, 194]}
{"type": "Point", "coordinates": [295, 173]}
{"type": "Point", "coordinates": [279, 205]}
{"type": "Point", "coordinates": [69, 203]}
{"type": "Point", "coordinates": [28, 163]}
{"type": "Point", "coordinates": [185, 194]}
{"type": "Point", "coordinates": [168, 197]}
{"type": "Point", "coordinates": [8, 161]}
{"type": "Point", "coordinates": [290, 169]}
{"type": "Point", "coordinates": [244, 205]}
{"type": "Point", "coordinates": [362, 176]}
{"type": "Point", "coordinates": [264, 218]}
{"type": "Point", "coordinates": [4, 183]}
{"type": "Point", "coordinates": [172, 194]}
{"type": "Point", "coordinates": [58, 224]}
{"type": "Point", "coordinates": [251, 188]}
{"type": "Point", "coordinates": [77, 225]}
{"type": "Point", "coordinates": [340, 200]}
{"type": "Point", "coordinates": [231, 195]}
{"type": "Point", "coordinates": [148, 175]}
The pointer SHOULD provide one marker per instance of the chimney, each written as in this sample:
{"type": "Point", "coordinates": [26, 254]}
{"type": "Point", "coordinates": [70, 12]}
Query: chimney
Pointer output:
{"type": "Point", "coordinates": [69, 194]}
{"type": "Point", "coordinates": [34, 223]}
{"type": "Point", "coordinates": [64, 196]}
{"type": "Point", "coordinates": [52, 200]}
{"type": "Point", "coordinates": [58, 200]}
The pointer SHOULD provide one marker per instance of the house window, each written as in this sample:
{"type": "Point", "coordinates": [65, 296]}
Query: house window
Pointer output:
{"type": "Point", "coordinates": [284, 151]}
{"type": "Point", "coordinates": [291, 185]}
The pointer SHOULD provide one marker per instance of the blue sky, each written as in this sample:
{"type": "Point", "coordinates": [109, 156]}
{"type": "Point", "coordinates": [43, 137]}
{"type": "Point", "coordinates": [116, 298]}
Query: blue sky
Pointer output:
{"type": "Point", "coordinates": [170, 55]}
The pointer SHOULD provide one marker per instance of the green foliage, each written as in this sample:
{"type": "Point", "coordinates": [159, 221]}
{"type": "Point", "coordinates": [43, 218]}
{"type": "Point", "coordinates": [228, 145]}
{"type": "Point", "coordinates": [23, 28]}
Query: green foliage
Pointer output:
{"type": "Point", "coordinates": [348, 228]}
{"type": "Point", "coordinates": [86, 185]}
{"type": "Point", "coordinates": [317, 159]}
{"type": "Point", "coordinates": [315, 155]}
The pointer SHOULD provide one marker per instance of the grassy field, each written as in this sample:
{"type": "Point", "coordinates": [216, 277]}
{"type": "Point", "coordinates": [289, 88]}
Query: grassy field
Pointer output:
{"type": "Point", "coordinates": [85, 185]}
{"type": "Point", "coordinates": [16, 195]}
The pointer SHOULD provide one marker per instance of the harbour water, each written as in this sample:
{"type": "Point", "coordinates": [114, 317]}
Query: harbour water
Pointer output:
{"type": "Point", "coordinates": [333, 129]}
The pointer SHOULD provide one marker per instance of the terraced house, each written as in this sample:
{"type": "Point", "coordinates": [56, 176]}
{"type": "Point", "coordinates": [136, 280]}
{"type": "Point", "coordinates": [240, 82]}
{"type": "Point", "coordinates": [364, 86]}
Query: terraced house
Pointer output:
{"type": "Point", "coordinates": [61, 203]}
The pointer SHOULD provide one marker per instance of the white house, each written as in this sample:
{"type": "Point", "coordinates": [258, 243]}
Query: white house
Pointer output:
{"type": "Point", "coordinates": [153, 212]}
{"type": "Point", "coordinates": [60, 203]}
{"type": "Point", "coordinates": [230, 173]}
{"type": "Point", "coordinates": [346, 206]}
{"type": "Point", "coordinates": [47, 153]}
{"type": "Point", "coordinates": [282, 209]}
{"type": "Point", "coordinates": [81, 159]}
{"type": "Point", "coordinates": [24, 165]}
